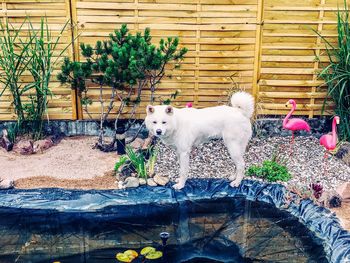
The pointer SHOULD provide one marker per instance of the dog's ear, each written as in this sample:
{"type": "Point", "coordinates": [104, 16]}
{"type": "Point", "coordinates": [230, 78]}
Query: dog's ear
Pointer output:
{"type": "Point", "coordinates": [169, 110]}
{"type": "Point", "coordinates": [150, 109]}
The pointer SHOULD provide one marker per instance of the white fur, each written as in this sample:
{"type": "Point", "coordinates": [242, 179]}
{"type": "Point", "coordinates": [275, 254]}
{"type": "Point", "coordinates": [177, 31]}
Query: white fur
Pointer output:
{"type": "Point", "coordinates": [186, 127]}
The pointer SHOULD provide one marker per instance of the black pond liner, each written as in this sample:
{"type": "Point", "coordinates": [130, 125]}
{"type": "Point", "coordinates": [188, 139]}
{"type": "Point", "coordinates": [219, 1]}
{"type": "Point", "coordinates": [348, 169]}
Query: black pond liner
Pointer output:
{"type": "Point", "coordinates": [146, 202]}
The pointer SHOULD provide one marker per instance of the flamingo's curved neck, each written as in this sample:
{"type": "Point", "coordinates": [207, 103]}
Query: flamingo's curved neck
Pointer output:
{"type": "Point", "coordinates": [290, 113]}
{"type": "Point", "coordinates": [334, 132]}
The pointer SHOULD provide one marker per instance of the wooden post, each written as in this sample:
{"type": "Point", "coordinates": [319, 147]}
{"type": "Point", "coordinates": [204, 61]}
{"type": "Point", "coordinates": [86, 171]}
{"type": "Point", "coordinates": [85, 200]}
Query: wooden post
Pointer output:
{"type": "Point", "coordinates": [257, 52]}
{"type": "Point", "coordinates": [197, 59]}
{"type": "Point", "coordinates": [316, 64]}
{"type": "Point", "coordinates": [76, 102]}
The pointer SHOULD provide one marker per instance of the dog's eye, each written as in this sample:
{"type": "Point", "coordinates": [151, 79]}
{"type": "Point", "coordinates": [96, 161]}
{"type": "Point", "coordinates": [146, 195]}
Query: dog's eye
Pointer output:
{"type": "Point", "coordinates": [164, 122]}
{"type": "Point", "coordinates": [155, 122]}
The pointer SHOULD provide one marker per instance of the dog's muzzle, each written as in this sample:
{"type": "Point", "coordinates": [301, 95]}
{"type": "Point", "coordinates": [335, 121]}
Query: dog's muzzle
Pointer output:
{"type": "Point", "coordinates": [159, 132]}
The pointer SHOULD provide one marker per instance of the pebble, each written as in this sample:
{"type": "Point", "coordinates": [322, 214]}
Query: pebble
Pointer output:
{"type": "Point", "coordinates": [161, 180]}
{"type": "Point", "coordinates": [212, 160]}
{"type": "Point", "coordinates": [151, 182]}
{"type": "Point", "coordinates": [6, 184]}
{"type": "Point", "coordinates": [142, 181]}
{"type": "Point", "coordinates": [131, 182]}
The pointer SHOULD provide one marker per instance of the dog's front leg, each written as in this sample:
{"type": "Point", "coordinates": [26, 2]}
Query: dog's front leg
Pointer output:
{"type": "Point", "coordinates": [184, 159]}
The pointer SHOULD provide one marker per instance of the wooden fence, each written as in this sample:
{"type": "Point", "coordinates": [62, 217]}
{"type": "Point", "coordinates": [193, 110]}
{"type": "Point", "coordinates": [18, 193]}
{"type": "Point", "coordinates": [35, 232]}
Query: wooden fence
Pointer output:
{"type": "Point", "coordinates": [267, 47]}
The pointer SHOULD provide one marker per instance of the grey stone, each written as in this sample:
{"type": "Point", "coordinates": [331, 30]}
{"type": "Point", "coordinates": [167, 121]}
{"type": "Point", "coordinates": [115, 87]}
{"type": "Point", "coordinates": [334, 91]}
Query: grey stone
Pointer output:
{"type": "Point", "coordinates": [161, 180]}
{"type": "Point", "coordinates": [151, 182]}
{"type": "Point", "coordinates": [131, 182]}
{"type": "Point", "coordinates": [24, 147]}
{"type": "Point", "coordinates": [142, 181]}
{"type": "Point", "coordinates": [6, 184]}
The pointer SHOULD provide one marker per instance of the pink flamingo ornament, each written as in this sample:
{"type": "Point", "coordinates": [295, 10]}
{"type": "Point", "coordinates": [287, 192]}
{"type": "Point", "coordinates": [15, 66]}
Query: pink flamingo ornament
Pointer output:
{"type": "Point", "coordinates": [294, 124]}
{"type": "Point", "coordinates": [189, 105]}
{"type": "Point", "coordinates": [329, 141]}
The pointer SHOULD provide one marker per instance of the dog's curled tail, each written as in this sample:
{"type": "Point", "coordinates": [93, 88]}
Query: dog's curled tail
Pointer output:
{"type": "Point", "coordinates": [243, 101]}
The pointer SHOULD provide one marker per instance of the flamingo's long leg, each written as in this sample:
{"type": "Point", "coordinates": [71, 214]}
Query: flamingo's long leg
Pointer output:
{"type": "Point", "coordinates": [325, 158]}
{"type": "Point", "coordinates": [291, 144]}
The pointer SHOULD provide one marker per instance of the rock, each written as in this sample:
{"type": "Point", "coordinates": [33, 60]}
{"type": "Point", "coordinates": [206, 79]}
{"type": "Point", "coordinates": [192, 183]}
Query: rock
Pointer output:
{"type": "Point", "coordinates": [137, 143]}
{"type": "Point", "coordinates": [147, 142]}
{"type": "Point", "coordinates": [344, 191]}
{"type": "Point", "coordinates": [120, 185]}
{"type": "Point", "coordinates": [142, 181]}
{"type": "Point", "coordinates": [42, 145]}
{"type": "Point", "coordinates": [343, 153]}
{"type": "Point", "coordinates": [151, 182]}
{"type": "Point", "coordinates": [131, 182]}
{"type": "Point", "coordinates": [5, 142]}
{"type": "Point", "coordinates": [6, 184]}
{"type": "Point", "coordinates": [24, 147]}
{"type": "Point", "coordinates": [335, 201]}
{"type": "Point", "coordinates": [161, 180]}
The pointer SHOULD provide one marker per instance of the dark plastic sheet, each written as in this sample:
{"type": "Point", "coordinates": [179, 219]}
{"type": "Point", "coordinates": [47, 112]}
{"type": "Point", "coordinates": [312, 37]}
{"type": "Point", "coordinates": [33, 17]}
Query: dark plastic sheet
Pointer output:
{"type": "Point", "coordinates": [144, 201]}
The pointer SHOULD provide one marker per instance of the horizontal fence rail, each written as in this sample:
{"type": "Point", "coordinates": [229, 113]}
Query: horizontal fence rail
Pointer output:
{"type": "Point", "coordinates": [266, 47]}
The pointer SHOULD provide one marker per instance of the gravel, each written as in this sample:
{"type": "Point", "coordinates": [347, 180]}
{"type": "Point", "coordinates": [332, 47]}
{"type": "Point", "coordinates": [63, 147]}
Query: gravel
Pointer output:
{"type": "Point", "coordinates": [212, 160]}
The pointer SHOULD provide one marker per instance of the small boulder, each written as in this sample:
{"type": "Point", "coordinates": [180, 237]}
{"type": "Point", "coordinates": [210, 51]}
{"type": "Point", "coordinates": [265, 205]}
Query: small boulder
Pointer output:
{"type": "Point", "coordinates": [161, 180]}
{"type": "Point", "coordinates": [5, 142]}
{"type": "Point", "coordinates": [6, 184]}
{"type": "Point", "coordinates": [24, 147]}
{"type": "Point", "coordinates": [131, 182]}
{"type": "Point", "coordinates": [151, 182]}
{"type": "Point", "coordinates": [42, 145]}
{"type": "Point", "coordinates": [344, 191]}
{"type": "Point", "coordinates": [343, 153]}
{"type": "Point", "coordinates": [142, 181]}
{"type": "Point", "coordinates": [137, 143]}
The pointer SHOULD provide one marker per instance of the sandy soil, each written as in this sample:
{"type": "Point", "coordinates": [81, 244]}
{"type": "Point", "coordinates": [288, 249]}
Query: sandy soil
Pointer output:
{"type": "Point", "coordinates": [72, 158]}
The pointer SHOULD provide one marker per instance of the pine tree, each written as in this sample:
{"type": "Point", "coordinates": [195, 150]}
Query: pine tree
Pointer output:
{"type": "Point", "coordinates": [125, 63]}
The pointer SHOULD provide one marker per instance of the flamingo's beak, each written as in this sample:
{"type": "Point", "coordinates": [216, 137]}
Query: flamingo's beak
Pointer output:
{"type": "Point", "coordinates": [287, 104]}
{"type": "Point", "coordinates": [337, 120]}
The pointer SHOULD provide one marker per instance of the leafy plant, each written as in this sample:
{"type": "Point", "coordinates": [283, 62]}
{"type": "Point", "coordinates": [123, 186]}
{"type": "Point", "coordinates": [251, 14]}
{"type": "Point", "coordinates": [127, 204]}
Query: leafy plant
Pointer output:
{"type": "Point", "coordinates": [140, 161]}
{"type": "Point", "coordinates": [13, 63]}
{"type": "Point", "coordinates": [41, 65]}
{"type": "Point", "coordinates": [126, 64]}
{"type": "Point", "coordinates": [271, 170]}
{"type": "Point", "coordinates": [35, 54]}
{"type": "Point", "coordinates": [336, 74]}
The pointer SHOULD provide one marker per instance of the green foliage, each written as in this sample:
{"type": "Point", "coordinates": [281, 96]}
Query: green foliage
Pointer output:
{"type": "Point", "coordinates": [270, 170]}
{"type": "Point", "coordinates": [126, 64]}
{"type": "Point", "coordinates": [120, 163]}
{"type": "Point", "coordinates": [13, 64]}
{"type": "Point", "coordinates": [140, 161]}
{"type": "Point", "coordinates": [35, 54]}
{"type": "Point", "coordinates": [12, 132]}
{"type": "Point", "coordinates": [336, 74]}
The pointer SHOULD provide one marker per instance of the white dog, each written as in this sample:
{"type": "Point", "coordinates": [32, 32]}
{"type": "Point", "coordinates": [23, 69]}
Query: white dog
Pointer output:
{"type": "Point", "coordinates": [187, 127]}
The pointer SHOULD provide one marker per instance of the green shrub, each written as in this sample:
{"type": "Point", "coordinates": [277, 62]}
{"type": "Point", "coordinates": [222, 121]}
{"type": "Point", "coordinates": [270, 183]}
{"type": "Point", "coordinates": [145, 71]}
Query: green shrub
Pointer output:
{"type": "Point", "coordinates": [336, 73]}
{"type": "Point", "coordinates": [271, 171]}
{"type": "Point", "coordinates": [142, 162]}
{"type": "Point", "coordinates": [124, 66]}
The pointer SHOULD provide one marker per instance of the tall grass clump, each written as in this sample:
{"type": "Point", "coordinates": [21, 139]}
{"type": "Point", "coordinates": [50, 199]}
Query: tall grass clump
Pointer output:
{"type": "Point", "coordinates": [43, 60]}
{"type": "Point", "coordinates": [13, 63]}
{"type": "Point", "coordinates": [336, 74]}
{"type": "Point", "coordinates": [27, 49]}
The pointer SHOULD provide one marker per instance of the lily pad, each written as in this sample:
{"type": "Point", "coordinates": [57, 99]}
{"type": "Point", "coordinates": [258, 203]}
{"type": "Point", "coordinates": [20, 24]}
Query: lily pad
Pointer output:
{"type": "Point", "coordinates": [147, 250]}
{"type": "Point", "coordinates": [124, 258]}
{"type": "Point", "coordinates": [131, 253]}
{"type": "Point", "coordinates": [154, 255]}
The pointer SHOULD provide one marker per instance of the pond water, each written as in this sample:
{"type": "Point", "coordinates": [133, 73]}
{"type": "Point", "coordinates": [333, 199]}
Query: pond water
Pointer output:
{"type": "Point", "coordinates": [225, 230]}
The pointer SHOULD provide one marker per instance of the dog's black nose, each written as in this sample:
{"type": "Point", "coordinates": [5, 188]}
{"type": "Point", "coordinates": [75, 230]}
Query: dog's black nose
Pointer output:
{"type": "Point", "coordinates": [159, 132]}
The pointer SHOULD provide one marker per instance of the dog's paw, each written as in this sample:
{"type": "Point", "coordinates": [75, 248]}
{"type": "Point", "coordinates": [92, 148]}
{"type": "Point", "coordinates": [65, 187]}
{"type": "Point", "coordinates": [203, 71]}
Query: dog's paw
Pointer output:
{"type": "Point", "coordinates": [178, 186]}
{"type": "Point", "coordinates": [235, 183]}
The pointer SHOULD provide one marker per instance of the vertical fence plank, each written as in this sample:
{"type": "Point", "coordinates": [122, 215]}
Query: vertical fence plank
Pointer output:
{"type": "Point", "coordinates": [76, 102]}
{"type": "Point", "coordinates": [257, 52]}
{"type": "Point", "coordinates": [317, 54]}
